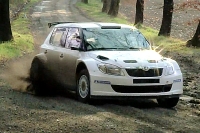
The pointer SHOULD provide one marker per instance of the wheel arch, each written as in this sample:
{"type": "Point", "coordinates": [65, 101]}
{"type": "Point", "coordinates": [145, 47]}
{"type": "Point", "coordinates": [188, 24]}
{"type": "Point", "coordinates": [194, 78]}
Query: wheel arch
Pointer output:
{"type": "Point", "coordinates": [80, 66]}
{"type": "Point", "coordinates": [41, 56]}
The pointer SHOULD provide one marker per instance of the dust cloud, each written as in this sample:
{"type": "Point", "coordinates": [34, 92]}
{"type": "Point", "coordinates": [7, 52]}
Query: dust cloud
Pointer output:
{"type": "Point", "coordinates": [16, 73]}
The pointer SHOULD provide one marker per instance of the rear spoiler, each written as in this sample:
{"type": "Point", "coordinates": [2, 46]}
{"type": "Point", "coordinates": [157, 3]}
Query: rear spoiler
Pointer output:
{"type": "Point", "coordinates": [55, 23]}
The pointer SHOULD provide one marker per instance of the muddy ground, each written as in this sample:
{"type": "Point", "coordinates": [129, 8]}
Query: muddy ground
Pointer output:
{"type": "Point", "coordinates": [23, 112]}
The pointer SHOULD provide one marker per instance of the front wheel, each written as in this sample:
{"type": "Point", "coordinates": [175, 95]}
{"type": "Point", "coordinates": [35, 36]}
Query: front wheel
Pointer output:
{"type": "Point", "coordinates": [83, 86]}
{"type": "Point", "coordinates": [168, 102]}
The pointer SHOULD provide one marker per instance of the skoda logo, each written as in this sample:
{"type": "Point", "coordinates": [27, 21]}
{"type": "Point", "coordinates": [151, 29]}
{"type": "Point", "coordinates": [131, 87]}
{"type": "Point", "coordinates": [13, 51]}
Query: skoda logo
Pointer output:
{"type": "Point", "coordinates": [145, 68]}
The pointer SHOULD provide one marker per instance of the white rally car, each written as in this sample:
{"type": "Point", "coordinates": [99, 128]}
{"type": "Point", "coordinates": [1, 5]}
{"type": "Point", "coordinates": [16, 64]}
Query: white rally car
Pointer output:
{"type": "Point", "coordinates": [105, 60]}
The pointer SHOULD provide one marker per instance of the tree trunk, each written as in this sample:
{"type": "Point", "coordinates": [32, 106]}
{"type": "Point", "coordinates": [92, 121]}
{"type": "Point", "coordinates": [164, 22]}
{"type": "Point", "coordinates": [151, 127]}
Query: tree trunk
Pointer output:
{"type": "Point", "coordinates": [106, 6]}
{"type": "Point", "coordinates": [167, 18]}
{"type": "Point", "coordinates": [114, 8]}
{"type": "Point", "coordinates": [195, 41]}
{"type": "Point", "coordinates": [139, 12]}
{"type": "Point", "coordinates": [5, 27]}
{"type": "Point", "coordinates": [84, 1]}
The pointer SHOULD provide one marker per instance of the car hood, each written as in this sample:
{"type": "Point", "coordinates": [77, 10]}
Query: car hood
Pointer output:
{"type": "Point", "coordinates": [129, 59]}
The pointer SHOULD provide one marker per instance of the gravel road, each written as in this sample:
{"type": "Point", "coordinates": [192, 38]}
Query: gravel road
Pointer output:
{"type": "Point", "coordinates": [23, 112]}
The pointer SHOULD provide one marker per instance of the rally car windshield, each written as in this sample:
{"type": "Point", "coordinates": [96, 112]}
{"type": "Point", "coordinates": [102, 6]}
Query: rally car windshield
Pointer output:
{"type": "Point", "coordinates": [123, 38]}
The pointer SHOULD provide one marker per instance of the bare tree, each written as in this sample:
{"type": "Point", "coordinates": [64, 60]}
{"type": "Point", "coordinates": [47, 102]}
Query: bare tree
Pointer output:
{"type": "Point", "coordinates": [139, 12]}
{"type": "Point", "coordinates": [5, 27]}
{"type": "Point", "coordinates": [195, 41]}
{"type": "Point", "coordinates": [194, 4]}
{"type": "Point", "coordinates": [106, 6]}
{"type": "Point", "coordinates": [114, 8]}
{"type": "Point", "coordinates": [84, 1]}
{"type": "Point", "coordinates": [167, 18]}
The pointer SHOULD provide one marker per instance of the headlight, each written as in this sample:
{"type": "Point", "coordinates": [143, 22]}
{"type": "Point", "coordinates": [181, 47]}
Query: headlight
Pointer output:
{"type": "Point", "coordinates": [110, 69]}
{"type": "Point", "coordinates": [169, 70]}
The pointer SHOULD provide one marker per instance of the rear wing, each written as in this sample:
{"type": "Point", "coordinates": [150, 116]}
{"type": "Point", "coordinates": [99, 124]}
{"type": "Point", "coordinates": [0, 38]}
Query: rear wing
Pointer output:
{"type": "Point", "coordinates": [55, 23]}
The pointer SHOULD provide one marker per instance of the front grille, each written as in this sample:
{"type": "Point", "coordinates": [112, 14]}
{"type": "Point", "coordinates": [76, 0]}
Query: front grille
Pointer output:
{"type": "Point", "coordinates": [141, 89]}
{"type": "Point", "coordinates": [138, 81]}
{"type": "Point", "coordinates": [141, 73]}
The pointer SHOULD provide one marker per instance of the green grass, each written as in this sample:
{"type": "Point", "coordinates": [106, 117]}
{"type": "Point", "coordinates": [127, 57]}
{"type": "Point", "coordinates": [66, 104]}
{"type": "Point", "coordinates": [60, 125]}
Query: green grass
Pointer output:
{"type": "Point", "coordinates": [23, 39]}
{"type": "Point", "coordinates": [93, 10]}
{"type": "Point", "coordinates": [17, 1]}
{"type": "Point", "coordinates": [161, 41]}
{"type": "Point", "coordinates": [15, 4]}
{"type": "Point", "coordinates": [169, 44]}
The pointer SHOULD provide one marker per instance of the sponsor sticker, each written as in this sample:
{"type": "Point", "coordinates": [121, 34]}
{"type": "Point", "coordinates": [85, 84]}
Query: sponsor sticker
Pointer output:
{"type": "Point", "coordinates": [177, 80]}
{"type": "Point", "coordinates": [101, 82]}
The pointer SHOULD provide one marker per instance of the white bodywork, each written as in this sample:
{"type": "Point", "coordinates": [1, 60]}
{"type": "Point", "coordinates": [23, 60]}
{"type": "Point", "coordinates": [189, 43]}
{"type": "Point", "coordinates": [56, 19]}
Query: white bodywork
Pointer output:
{"type": "Point", "coordinates": [117, 57]}
{"type": "Point", "coordinates": [101, 83]}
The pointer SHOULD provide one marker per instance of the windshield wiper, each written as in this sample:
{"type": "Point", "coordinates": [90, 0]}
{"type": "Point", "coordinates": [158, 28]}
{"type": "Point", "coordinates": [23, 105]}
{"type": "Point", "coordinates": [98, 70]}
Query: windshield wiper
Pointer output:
{"type": "Point", "coordinates": [102, 49]}
{"type": "Point", "coordinates": [134, 48]}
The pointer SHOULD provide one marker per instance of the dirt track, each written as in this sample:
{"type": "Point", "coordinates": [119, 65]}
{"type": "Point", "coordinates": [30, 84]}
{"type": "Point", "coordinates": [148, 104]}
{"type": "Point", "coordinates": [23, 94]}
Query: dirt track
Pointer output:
{"type": "Point", "coordinates": [22, 112]}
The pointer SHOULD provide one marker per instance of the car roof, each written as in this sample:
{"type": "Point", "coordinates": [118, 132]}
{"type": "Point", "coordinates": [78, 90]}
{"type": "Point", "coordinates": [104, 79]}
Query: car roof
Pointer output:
{"type": "Point", "coordinates": [92, 25]}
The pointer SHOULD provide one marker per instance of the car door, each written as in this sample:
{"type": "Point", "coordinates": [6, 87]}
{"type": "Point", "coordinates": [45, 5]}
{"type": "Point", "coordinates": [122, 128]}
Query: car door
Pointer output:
{"type": "Point", "coordinates": [68, 59]}
{"type": "Point", "coordinates": [52, 52]}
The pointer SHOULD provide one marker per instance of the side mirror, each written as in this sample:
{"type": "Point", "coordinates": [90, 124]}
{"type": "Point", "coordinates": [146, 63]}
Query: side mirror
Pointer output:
{"type": "Point", "coordinates": [77, 38]}
{"type": "Point", "coordinates": [74, 48]}
{"type": "Point", "coordinates": [79, 49]}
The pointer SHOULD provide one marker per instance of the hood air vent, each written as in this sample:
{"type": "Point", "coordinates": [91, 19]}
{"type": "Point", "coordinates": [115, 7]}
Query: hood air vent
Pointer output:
{"type": "Point", "coordinates": [152, 61]}
{"type": "Point", "coordinates": [130, 61]}
{"type": "Point", "coordinates": [102, 58]}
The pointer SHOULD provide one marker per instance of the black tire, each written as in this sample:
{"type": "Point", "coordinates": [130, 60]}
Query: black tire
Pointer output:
{"type": "Point", "coordinates": [83, 86]}
{"type": "Point", "coordinates": [168, 102]}
{"type": "Point", "coordinates": [36, 76]}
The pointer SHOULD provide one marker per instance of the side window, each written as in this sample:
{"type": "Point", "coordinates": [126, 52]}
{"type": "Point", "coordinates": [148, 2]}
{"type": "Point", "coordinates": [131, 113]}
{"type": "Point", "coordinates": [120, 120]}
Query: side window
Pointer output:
{"type": "Point", "coordinates": [58, 36]}
{"type": "Point", "coordinates": [73, 38]}
{"type": "Point", "coordinates": [63, 38]}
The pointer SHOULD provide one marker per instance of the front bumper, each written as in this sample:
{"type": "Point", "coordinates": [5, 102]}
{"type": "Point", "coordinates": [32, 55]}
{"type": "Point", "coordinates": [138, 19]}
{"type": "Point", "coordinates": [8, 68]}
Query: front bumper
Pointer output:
{"type": "Point", "coordinates": [123, 86]}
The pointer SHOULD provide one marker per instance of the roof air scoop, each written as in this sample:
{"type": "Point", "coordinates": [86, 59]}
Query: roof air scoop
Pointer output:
{"type": "Point", "coordinates": [110, 27]}
{"type": "Point", "coordinates": [102, 58]}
